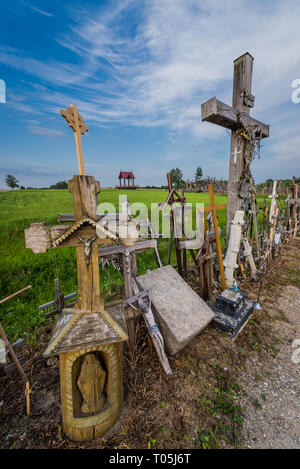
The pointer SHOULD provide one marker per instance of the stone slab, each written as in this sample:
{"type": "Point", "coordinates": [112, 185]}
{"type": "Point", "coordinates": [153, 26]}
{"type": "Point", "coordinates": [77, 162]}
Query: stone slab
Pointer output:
{"type": "Point", "coordinates": [180, 313]}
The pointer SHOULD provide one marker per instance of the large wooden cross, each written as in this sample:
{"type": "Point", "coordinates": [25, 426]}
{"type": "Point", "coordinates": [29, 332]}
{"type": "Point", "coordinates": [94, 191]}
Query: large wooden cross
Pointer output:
{"type": "Point", "coordinates": [85, 235]}
{"type": "Point", "coordinates": [236, 118]}
{"type": "Point", "coordinates": [78, 126]}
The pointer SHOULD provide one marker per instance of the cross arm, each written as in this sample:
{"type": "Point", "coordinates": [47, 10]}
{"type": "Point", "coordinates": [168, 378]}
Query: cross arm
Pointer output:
{"type": "Point", "coordinates": [74, 119]}
{"type": "Point", "coordinates": [39, 237]}
{"type": "Point", "coordinates": [216, 112]}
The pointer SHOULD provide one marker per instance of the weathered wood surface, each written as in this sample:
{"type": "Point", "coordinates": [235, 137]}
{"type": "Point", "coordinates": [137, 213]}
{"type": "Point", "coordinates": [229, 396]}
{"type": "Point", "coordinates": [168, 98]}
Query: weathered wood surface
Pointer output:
{"type": "Point", "coordinates": [18, 347]}
{"type": "Point", "coordinates": [216, 112]}
{"type": "Point", "coordinates": [84, 190]}
{"type": "Point", "coordinates": [153, 329]}
{"type": "Point", "coordinates": [18, 366]}
{"type": "Point", "coordinates": [119, 248]}
{"type": "Point", "coordinates": [37, 238]}
{"type": "Point", "coordinates": [233, 117]}
{"type": "Point", "coordinates": [217, 236]}
{"type": "Point", "coordinates": [249, 257]}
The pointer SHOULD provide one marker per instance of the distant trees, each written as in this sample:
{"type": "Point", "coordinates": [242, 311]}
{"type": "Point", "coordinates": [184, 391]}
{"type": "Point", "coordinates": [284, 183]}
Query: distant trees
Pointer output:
{"type": "Point", "coordinates": [11, 181]}
{"type": "Point", "coordinates": [177, 177]}
{"type": "Point", "coordinates": [198, 174]}
{"type": "Point", "coordinates": [60, 185]}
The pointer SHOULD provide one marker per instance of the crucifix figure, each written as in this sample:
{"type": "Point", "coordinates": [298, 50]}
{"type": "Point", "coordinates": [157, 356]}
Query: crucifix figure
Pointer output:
{"type": "Point", "coordinates": [87, 247]}
{"type": "Point", "coordinates": [244, 131]}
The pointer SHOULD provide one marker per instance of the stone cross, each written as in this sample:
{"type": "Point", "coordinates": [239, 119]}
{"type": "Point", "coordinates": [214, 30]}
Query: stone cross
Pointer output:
{"type": "Point", "coordinates": [236, 118]}
{"type": "Point", "coordinates": [78, 126]}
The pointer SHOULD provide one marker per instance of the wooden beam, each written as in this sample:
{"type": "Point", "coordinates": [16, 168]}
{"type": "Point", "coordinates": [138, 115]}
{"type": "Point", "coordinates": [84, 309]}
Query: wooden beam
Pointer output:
{"type": "Point", "coordinates": [216, 230]}
{"type": "Point", "coordinates": [15, 294]}
{"type": "Point", "coordinates": [219, 113]}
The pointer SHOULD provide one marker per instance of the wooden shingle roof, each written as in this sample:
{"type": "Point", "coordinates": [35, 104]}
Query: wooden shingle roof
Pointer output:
{"type": "Point", "coordinates": [74, 331]}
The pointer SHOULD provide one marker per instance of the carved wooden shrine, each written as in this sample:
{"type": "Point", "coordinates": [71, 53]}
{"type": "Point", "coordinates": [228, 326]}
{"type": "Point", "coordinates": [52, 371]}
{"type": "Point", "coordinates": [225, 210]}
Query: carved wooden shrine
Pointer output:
{"type": "Point", "coordinates": [87, 338]}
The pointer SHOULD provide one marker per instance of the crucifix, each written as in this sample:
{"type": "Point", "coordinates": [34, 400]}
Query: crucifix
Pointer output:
{"type": "Point", "coordinates": [172, 199]}
{"type": "Point", "coordinates": [87, 338]}
{"type": "Point", "coordinates": [245, 130]}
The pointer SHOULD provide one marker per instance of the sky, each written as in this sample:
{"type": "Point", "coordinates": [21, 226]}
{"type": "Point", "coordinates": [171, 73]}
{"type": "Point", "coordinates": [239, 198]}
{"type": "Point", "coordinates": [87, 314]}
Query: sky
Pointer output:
{"type": "Point", "coordinates": [138, 71]}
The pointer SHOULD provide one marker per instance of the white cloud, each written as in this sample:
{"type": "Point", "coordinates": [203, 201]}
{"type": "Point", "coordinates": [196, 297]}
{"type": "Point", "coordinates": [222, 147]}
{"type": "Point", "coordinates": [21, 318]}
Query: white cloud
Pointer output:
{"type": "Point", "coordinates": [41, 12]}
{"type": "Point", "coordinates": [44, 131]}
{"type": "Point", "coordinates": [177, 55]}
{"type": "Point", "coordinates": [181, 54]}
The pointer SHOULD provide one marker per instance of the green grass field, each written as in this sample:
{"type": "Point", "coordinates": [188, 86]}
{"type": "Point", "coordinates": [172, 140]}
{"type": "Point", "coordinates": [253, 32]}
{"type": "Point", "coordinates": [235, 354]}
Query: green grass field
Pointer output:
{"type": "Point", "coordinates": [20, 266]}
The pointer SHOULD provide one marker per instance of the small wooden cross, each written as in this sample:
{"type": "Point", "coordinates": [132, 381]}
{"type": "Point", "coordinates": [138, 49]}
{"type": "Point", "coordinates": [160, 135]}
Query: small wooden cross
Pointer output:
{"type": "Point", "coordinates": [79, 127]}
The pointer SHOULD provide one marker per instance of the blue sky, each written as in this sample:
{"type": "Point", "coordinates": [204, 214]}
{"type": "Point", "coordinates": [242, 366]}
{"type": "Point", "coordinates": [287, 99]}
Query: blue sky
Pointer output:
{"type": "Point", "coordinates": [138, 72]}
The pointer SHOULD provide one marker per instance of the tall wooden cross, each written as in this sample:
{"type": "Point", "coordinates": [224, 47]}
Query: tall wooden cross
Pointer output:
{"type": "Point", "coordinates": [78, 126]}
{"type": "Point", "coordinates": [85, 234]}
{"type": "Point", "coordinates": [236, 118]}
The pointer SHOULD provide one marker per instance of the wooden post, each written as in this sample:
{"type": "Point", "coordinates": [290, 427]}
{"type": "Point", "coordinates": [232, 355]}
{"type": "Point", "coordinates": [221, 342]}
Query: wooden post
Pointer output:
{"type": "Point", "coordinates": [254, 218]}
{"type": "Point", "coordinates": [18, 364]}
{"type": "Point", "coordinates": [173, 220]}
{"type": "Point", "coordinates": [129, 312]}
{"type": "Point", "coordinates": [14, 294]}
{"type": "Point", "coordinates": [217, 237]}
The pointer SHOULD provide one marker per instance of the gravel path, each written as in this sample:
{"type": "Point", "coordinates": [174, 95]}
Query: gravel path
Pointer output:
{"type": "Point", "coordinates": [272, 407]}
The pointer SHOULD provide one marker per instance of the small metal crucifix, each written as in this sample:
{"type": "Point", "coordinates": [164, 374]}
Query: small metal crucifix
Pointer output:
{"type": "Point", "coordinates": [79, 127]}
{"type": "Point", "coordinates": [87, 247]}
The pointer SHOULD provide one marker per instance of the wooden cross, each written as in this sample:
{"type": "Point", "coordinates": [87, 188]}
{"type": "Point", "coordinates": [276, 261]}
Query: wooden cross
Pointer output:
{"type": "Point", "coordinates": [59, 302]}
{"type": "Point", "coordinates": [236, 118]}
{"type": "Point", "coordinates": [217, 236]}
{"type": "Point", "coordinates": [85, 235]}
{"type": "Point", "coordinates": [78, 126]}
{"type": "Point", "coordinates": [172, 199]}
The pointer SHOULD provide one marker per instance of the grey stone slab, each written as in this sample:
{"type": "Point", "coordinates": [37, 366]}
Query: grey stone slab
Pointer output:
{"type": "Point", "coordinates": [180, 313]}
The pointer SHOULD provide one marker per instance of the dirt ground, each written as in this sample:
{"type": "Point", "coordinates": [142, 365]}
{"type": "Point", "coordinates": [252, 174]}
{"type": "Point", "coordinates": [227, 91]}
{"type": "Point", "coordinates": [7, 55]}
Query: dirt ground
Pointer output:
{"type": "Point", "coordinates": [223, 393]}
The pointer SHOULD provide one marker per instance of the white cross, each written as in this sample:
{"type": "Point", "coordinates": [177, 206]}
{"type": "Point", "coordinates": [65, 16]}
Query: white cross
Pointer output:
{"type": "Point", "coordinates": [235, 154]}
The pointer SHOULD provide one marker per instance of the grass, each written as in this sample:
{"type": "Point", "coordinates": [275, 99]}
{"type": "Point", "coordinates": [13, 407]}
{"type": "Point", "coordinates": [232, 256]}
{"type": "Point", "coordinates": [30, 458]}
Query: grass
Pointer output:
{"type": "Point", "coordinates": [20, 266]}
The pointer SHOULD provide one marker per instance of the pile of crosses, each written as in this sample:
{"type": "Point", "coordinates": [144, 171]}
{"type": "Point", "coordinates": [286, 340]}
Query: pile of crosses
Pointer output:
{"type": "Point", "coordinates": [88, 334]}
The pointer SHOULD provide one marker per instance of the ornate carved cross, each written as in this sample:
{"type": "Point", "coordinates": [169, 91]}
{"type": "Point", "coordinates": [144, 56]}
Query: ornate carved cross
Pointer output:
{"type": "Point", "coordinates": [78, 126]}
